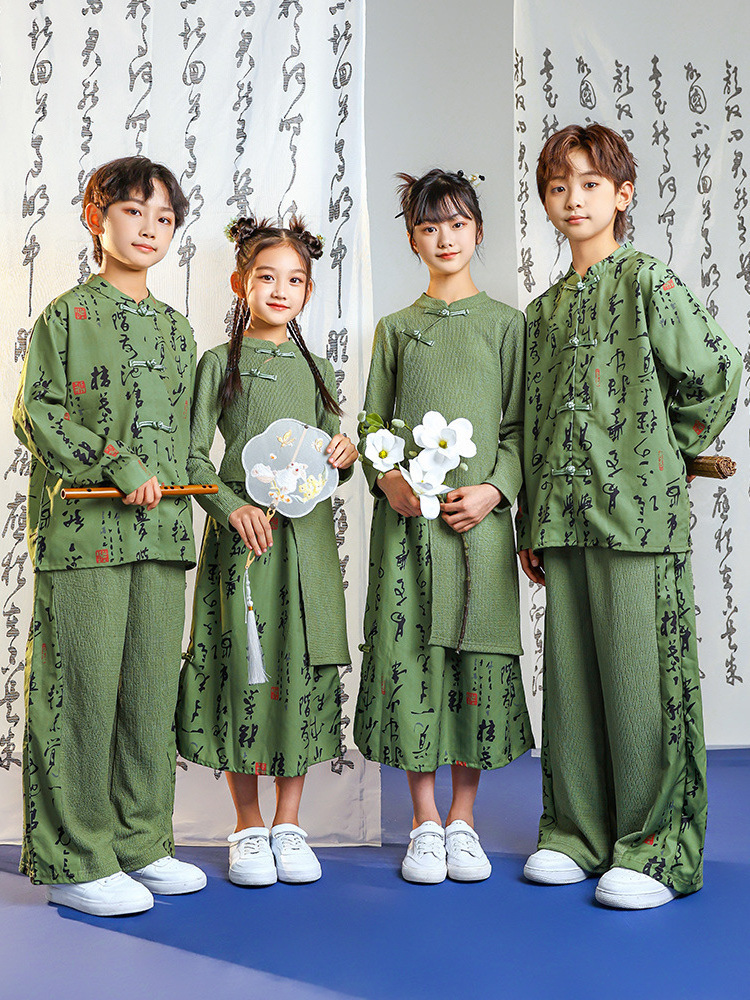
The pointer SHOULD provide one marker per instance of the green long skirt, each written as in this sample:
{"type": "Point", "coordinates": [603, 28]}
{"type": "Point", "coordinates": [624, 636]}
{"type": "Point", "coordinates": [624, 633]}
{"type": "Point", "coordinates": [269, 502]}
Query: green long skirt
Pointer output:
{"type": "Point", "coordinates": [278, 728]}
{"type": "Point", "coordinates": [419, 705]}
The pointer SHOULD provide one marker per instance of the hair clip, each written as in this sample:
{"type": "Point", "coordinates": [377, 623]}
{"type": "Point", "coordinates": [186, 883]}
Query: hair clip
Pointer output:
{"type": "Point", "coordinates": [228, 228]}
{"type": "Point", "coordinates": [474, 179]}
{"type": "Point", "coordinates": [320, 239]}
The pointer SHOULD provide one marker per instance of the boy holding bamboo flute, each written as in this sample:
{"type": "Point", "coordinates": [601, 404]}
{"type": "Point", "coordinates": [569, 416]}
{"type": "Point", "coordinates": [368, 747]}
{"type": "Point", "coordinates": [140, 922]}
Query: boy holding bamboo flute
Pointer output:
{"type": "Point", "coordinates": [627, 378]}
{"type": "Point", "coordinates": [105, 397]}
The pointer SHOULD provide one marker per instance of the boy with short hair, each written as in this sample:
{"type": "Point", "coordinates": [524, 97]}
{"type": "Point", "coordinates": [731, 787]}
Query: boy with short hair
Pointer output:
{"type": "Point", "coordinates": [105, 396]}
{"type": "Point", "coordinates": [628, 376]}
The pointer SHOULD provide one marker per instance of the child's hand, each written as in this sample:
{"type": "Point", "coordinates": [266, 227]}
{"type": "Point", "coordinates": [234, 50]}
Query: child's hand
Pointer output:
{"type": "Point", "coordinates": [399, 494]}
{"type": "Point", "coordinates": [341, 452]}
{"type": "Point", "coordinates": [146, 496]}
{"type": "Point", "coordinates": [532, 565]}
{"type": "Point", "coordinates": [465, 507]}
{"type": "Point", "coordinates": [253, 527]}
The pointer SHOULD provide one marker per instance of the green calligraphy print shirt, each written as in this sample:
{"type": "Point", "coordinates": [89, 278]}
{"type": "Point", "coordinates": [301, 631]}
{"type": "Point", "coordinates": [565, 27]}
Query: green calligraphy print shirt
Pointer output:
{"type": "Point", "coordinates": [627, 376]}
{"type": "Point", "coordinates": [105, 399]}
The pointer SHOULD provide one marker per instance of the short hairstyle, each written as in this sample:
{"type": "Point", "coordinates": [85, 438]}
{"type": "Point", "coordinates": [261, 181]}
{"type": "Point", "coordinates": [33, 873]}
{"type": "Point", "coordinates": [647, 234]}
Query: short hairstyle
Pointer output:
{"type": "Point", "coordinates": [120, 179]}
{"type": "Point", "coordinates": [437, 196]}
{"type": "Point", "coordinates": [607, 150]}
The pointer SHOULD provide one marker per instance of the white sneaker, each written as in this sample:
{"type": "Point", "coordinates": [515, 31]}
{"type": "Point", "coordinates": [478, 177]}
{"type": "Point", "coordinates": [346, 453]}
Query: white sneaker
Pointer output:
{"type": "Point", "coordinates": [170, 877]}
{"type": "Point", "coordinates": [553, 868]}
{"type": "Point", "coordinates": [425, 860]}
{"type": "Point", "coordinates": [295, 861]}
{"type": "Point", "coordinates": [112, 896]}
{"type": "Point", "coordinates": [467, 862]}
{"type": "Point", "coordinates": [250, 857]}
{"type": "Point", "coordinates": [630, 890]}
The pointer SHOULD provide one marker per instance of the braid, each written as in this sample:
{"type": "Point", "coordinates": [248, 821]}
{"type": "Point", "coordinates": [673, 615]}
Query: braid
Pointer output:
{"type": "Point", "coordinates": [329, 402]}
{"type": "Point", "coordinates": [232, 383]}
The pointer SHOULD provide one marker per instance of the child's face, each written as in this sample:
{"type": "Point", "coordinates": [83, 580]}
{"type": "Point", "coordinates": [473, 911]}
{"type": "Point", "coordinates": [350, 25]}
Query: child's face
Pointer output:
{"type": "Point", "coordinates": [583, 204]}
{"type": "Point", "coordinates": [446, 247]}
{"type": "Point", "coordinates": [276, 288]}
{"type": "Point", "coordinates": [136, 233]}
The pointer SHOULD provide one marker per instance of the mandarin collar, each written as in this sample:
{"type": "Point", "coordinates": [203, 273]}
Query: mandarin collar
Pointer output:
{"type": "Point", "coordinates": [99, 284]}
{"type": "Point", "coordinates": [596, 271]}
{"type": "Point", "coordinates": [429, 304]}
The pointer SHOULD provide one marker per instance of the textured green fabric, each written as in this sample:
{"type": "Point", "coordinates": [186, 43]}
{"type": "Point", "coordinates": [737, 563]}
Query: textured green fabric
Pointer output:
{"type": "Point", "coordinates": [626, 376]}
{"type": "Point", "coordinates": [98, 770]}
{"type": "Point", "coordinates": [287, 389]}
{"type": "Point", "coordinates": [422, 705]}
{"type": "Point", "coordinates": [105, 398]}
{"type": "Point", "coordinates": [464, 360]}
{"type": "Point", "coordinates": [280, 727]}
{"type": "Point", "coordinates": [623, 756]}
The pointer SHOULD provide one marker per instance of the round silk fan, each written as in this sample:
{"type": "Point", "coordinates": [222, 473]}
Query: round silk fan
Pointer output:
{"type": "Point", "coordinates": [287, 471]}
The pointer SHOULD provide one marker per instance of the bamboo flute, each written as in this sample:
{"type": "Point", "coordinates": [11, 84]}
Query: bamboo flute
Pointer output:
{"type": "Point", "coordinates": [112, 493]}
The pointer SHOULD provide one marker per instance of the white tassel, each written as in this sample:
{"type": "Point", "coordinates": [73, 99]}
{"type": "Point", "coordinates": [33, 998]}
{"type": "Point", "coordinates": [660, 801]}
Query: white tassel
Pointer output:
{"type": "Point", "coordinates": [256, 671]}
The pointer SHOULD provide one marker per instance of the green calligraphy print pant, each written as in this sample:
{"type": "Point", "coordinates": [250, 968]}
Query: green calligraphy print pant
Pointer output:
{"type": "Point", "coordinates": [623, 756]}
{"type": "Point", "coordinates": [421, 706]}
{"type": "Point", "coordinates": [102, 669]}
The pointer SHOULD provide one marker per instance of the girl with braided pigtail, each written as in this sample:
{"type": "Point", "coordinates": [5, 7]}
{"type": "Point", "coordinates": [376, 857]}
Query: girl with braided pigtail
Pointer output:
{"type": "Point", "coordinates": [279, 728]}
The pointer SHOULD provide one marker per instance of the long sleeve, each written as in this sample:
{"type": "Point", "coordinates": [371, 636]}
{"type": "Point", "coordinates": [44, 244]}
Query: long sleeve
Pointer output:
{"type": "Point", "coordinates": [381, 393]}
{"type": "Point", "coordinates": [704, 366]}
{"type": "Point", "coordinates": [327, 421]}
{"type": "Point", "coordinates": [507, 475]}
{"type": "Point", "coordinates": [205, 418]}
{"type": "Point", "coordinates": [44, 424]}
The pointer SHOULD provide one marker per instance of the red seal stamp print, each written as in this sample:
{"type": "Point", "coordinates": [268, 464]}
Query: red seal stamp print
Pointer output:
{"type": "Point", "coordinates": [274, 694]}
{"type": "Point", "coordinates": [66, 415]}
{"type": "Point", "coordinates": [661, 461]}
{"type": "Point", "coordinates": [261, 768]}
{"type": "Point", "coordinates": [650, 840]}
{"type": "Point", "coordinates": [102, 555]}
{"type": "Point", "coordinates": [80, 313]}
{"type": "Point", "coordinates": [668, 285]}
{"type": "Point", "coordinates": [79, 388]}
{"type": "Point", "coordinates": [699, 427]}
{"type": "Point", "coordinates": [111, 450]}
{"type": "Point", "coordinates": [471, 698]}
{"type": "Point", "coordinates": [598, 376]}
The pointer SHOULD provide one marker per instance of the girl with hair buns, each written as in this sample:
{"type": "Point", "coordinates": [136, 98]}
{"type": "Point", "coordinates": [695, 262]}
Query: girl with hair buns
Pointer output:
{"type": "Point", "coordinates": [441, 680]}
{"type": "Point", "coordinates": [283, 726]}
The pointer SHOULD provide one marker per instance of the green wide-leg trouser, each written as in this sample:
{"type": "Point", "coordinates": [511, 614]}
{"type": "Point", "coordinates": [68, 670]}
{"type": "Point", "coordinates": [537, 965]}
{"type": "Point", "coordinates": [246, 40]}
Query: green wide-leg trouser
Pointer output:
{"type": "Point", "coordinates": [623, 755]}
{"type": "Point", "coordinates": [102, 669]}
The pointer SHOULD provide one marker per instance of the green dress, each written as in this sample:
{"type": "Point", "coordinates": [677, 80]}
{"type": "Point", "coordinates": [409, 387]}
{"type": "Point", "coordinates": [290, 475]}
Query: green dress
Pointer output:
{"type": "Point", "coordinates": [292, 721]}
{"type": "Point", "coordinates": [422, 704]}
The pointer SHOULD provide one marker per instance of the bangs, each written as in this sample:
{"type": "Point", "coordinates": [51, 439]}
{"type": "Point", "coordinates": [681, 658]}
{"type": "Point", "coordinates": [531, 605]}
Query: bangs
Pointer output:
{"type": "Point", "coordinates": [440, 206]}
{"type": "Point", "coordinates": [134, 176]}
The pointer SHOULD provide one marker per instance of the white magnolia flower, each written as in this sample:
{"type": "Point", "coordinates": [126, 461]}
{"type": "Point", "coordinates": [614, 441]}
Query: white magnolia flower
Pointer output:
{"type": "Point", "coordinates": [444, 444]}
{"type": "Point", "coordinates": [384, 450]}
{"type": "Point", "coordinates": [427, 484]}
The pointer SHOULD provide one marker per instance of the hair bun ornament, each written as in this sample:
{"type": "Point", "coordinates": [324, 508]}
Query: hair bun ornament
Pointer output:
{"type": "Point", "coordinates": [474, 179]}
{"type": "Point", "coordinates": [313, 243]}
{"type": "Point", "coordinates": [241, 228]}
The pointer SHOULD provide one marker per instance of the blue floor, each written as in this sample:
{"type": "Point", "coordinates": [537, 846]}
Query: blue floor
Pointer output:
{"type": "Point", "coordinates": [361, 932]}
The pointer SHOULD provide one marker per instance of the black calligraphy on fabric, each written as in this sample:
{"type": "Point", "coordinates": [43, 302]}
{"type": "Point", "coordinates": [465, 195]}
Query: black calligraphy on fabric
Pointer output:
{"type": "Point", "coordinates": [140, 76]}
{"type": "Point", "coordinates": [193, 74]}
{"type": "Point", "coordinates": [242, 175]}
{"type": "Point", "coordinates": [92, 62]}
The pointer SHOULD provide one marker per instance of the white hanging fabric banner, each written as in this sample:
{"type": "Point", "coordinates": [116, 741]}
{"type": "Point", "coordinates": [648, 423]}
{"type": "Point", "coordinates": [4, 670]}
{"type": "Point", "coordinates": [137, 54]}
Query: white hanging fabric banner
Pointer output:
{"type": "Point", "coordinates": [679, 91]}
{"type": "Point", "coordinates": [256, 107]}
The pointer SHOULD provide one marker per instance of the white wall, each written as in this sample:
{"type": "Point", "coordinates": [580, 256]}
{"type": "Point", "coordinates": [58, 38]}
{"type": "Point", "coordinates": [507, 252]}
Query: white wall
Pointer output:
{"type": "Point", "coordinates": [439, 92]}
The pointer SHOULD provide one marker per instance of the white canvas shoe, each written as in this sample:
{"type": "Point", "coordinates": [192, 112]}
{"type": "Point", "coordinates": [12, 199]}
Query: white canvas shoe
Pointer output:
{"type": "Point", "coordinates": [112, 896]}
{"type": "Point", "coordinates": [170, 877]}
{"type": "Point", "coordinates": [295, 861]}
{"type": "Point", "coordinates": [425, 860]}
{"type": "Point", "coordinates": [553, 868]}
{"type": "Point", "coordinates": [467, 862]}
{"type": "Point", "coordinates": [251, 860]}
{"type": "Point", "coordinates": [629, 890]}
